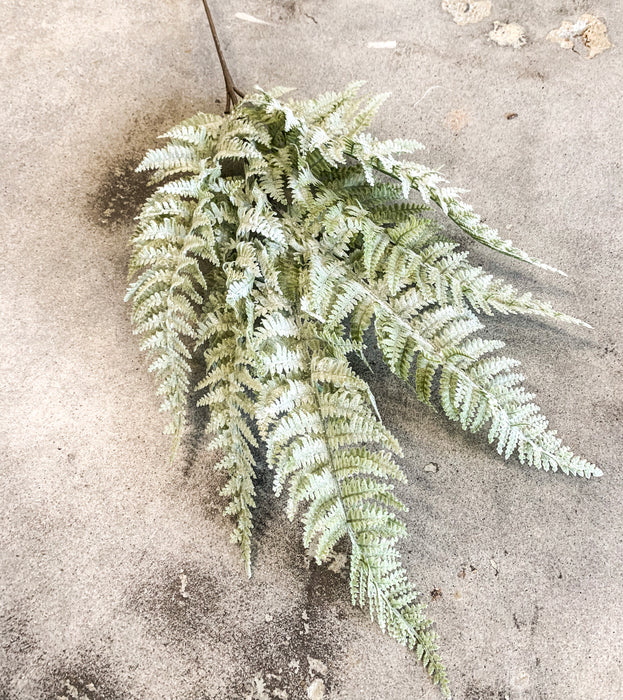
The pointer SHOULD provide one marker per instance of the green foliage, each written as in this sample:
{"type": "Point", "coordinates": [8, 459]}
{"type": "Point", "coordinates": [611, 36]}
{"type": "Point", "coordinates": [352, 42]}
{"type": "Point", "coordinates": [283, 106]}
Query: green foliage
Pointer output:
{"type": "Point", "coordinates": [279, 238]}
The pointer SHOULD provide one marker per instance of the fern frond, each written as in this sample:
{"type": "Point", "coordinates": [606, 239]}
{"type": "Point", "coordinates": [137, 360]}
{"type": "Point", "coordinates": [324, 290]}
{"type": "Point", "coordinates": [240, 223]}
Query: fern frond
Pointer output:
{"type": "Point", "coordinates": [278, 238]}
{"type": "Point", "coordinates": [163, 311]}
{"type": "Point", "coordinates": [410, 252]}
{"type": "Point", "coordinates": [428, 184]}
{"type": "Point", "coordinates": [183, 187]}
{"type": "Point", "coordinates": [170, 160]}
{"type": "Point", "coordinates": [318, 422]}
{"type": "Point", "coordinates": [468, 387]}
{"type": "Point", "coordinates": [227, 389]}
{"type": "Point", "coordinates": [197, 131]}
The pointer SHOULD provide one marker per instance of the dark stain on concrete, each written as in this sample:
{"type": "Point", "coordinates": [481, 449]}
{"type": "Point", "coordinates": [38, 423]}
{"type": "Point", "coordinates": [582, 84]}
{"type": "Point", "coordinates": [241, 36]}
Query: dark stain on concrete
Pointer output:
{"type": "Point", "coordinates": [19, 647]}
{"type": "Point", "coordinates": [84, 686]}
{"type": "Point", "coordinates": [120, 194]}
{"type": "Point", "coordinates": [278, 655]}
{"type": "Point", "coordinates": [178, 602]}
{"type": "Point", "coordinates": [285, 654]}
{"type": "Point", "coordinates": [89, 677]}
{"type": "Point", "coordinates": [119, 190]}
{"type": "Point", "coordinates": [183, 605]}
{"type": "Point", "coordinates": [326, 588]}
{"type": "Point", "coordinates": [476, 691]}
{"type": "Point", "coordinates": [16, 635]}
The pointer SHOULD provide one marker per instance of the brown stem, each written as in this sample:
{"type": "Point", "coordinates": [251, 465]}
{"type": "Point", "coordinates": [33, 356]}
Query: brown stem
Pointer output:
{"type": "Point", "coordinates": [232, 91]}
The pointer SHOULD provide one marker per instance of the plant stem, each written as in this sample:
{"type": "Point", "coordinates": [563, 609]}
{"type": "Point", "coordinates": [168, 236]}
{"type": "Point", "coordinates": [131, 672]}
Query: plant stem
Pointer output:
{"type": "Point", "coordinates": [232, 91]}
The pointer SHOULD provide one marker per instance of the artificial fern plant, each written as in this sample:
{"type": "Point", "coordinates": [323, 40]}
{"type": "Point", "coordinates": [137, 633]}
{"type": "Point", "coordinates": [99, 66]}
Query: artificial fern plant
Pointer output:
{"type": "Point", "coordinates": [281, 238]}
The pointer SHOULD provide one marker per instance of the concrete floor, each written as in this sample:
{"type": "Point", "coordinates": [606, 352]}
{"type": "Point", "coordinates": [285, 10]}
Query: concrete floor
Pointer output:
{"type": "Point", "coordinates": [98, 530]}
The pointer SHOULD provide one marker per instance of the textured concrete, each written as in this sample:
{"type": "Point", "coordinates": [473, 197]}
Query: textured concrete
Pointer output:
{"type": "Point", "coordinates": [100, 536]}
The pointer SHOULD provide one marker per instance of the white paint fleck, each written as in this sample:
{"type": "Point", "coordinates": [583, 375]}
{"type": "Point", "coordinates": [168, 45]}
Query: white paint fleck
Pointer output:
{"type": "Point", "coordinates": [294, 665]}
{"type": "Point", "coordinates": [183, 584]}
{"type": "Point", "coordinates": [315, 691]}
{"type": "Point", "coordinates": [592, 31]}
{"type": "Point", "coordinates": [317, 666]}
{"type": "Point", "coordinates": [340, 560]}
{"type": "Point", "coordinates": [595, 37]}
{"type": "Point", "coordinates": [464, 12]}
{"type": "Point", "coordinates": [281, 694]}
{"type": "Point", "coordinates": [258, 690]}
{"type": "Point", "coordinates": [269, 618]}
{"type": "Point", "coordinates": [382, 44]}
{"type": "Point", "coordinates": [511, 34]}
{"type": "Point", "coordinates": [494, 566]}
{"type": "Point", "coordinates": [457, 120]}
{"type": "Point", "coordinates": [304, 615]}
{"type": "Point", "coordinates": [432, 467]}
{"type": "Point", "coordinates": [249, 18]}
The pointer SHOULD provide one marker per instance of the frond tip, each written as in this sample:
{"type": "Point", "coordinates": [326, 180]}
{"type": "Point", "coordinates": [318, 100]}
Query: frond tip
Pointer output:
{"type": "Point", "coordinates": [277, 238]}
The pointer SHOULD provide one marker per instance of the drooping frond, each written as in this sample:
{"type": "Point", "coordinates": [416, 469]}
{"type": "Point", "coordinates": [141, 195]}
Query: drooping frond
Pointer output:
{"type": "Point", "coordinates": [168, 250]}
{"type": "Point", "coordinates": [429, 184]}
{"type": "Point", "coordinates": [228, 388]}
{"type": "Point", "coordinates": [318, 421]}
{"type": "Point", "coordinates": [407, 248]}
{"type": "Point", "coordinates": [474, 390]}
{"type": "Point", "coordinates": [275, 239]}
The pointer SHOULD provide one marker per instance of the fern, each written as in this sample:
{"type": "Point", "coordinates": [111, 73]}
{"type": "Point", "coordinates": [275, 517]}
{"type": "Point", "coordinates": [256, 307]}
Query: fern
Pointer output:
{"type": "Point", "coordinates": [277, 237]}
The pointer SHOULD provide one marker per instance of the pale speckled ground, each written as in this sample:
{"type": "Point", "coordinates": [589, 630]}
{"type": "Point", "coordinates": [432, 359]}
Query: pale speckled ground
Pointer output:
{"type": "Point", "coordinates": [97, 528]}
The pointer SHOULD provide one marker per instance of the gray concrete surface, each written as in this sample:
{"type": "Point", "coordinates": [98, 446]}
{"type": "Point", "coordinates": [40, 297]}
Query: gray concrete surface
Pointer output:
{"type": "Point", "coordinates": [97, 528]}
